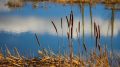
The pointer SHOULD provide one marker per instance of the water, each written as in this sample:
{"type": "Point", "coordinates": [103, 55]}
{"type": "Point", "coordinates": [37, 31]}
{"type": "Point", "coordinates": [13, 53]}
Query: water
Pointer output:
{"type": "Point", "coordinates": [18, 27]}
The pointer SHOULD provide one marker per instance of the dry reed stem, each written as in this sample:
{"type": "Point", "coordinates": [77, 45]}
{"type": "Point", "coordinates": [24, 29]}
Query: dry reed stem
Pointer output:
{"type": "Point", "coordinates": [54, 26]}
{"type": "Point", "coordinates": [61, 23]}
{"type": "Point", "coordinates": [38, 40]}
{"type": "Point", "coordinates": [79, 27]}
{"type": "Point", "coordinates": [71, 32]}
{"type": "Point", "coordinates": [85, 47]}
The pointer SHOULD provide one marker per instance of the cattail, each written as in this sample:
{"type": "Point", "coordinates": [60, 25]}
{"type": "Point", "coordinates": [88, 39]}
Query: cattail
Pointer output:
{"type": "Point", "coordinates": [71, 32]}
{"type": "Point", "coordinates": [96, 41]}
{"type": "Point", "coordinates": [38, 40]}
{"type": "Point", "coordinates": [79, 27]}
{"type": "Point", "coordinates": [99, 31]}
{"type": "Point", "coordinates": [61, 23]}
{"type": "Point", "coordinates": [72, 18]}
{"type": "Point", "coordinates": [100, 51]}
{"type": "Point", "coordinates": [67, 21]}
{"type": "Point", "coordinates": [99, 47]}
{"type": "Point", "coordinates": [54, 26]}
{"type": "Point", "coordinates": [94, 29]}
{"type": "Point", "coordinates": [68, 35]}
{"type": "Point", "coordinates": [85, 47]}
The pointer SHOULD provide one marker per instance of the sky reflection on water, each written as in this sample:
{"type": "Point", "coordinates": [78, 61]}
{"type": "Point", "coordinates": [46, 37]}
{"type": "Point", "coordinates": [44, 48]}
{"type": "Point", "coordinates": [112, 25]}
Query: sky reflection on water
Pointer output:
{"type": "Point", "coordinates": [17, 27]}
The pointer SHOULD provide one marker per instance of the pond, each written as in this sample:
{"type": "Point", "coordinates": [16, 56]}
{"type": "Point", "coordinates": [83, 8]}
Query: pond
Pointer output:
{"type": "Point", "coordinates": [18, 26]}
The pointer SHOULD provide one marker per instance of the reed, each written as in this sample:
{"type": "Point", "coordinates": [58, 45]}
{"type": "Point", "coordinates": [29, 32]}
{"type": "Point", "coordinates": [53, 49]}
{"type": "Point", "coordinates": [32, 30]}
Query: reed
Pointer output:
{"type": "Point", "coordinates": [38, 40]}
{"type": "Point", "coordinates": [54, 26]}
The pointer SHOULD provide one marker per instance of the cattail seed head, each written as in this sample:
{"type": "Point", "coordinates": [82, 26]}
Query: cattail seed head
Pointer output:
{"type": "Point", "coordinates": [54, 26]}
{"type": "Point", "coordinates": [79, 27]}
{"type": "Point", "coordinates": [72, 19]}
{"type": "Point", "coordinates": [99, 47]}
{"type": "Point", "coordinates": [71, 32]}
{"type": "Point", "coordinates": [61, 23]}
{"type": "Point", "coordinates": [68, 35]}
{"type": "Point", "coordinates": [67, 21]}
{"type": "Point", "coordinates": [96, 41]}
{"type": "Point", "coordinates": [85, 47]}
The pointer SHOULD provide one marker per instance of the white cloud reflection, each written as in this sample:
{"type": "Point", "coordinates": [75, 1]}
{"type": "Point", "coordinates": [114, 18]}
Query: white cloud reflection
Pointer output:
{"type": "Point", "coordinates": [17, 25]}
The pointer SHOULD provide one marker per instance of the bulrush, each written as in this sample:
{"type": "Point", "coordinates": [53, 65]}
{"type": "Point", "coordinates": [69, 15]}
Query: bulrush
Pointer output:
{"type": "Point", "coordinates": [99, 31]}
{"type": "Point", "coordinates": [71, 32]}
{"type": "Point", "coordinates": [68, 35]}
{"type": "Point", "coordinates": [100, 51]}
{"type": "Point", "coordinates": [38, 40]}
{"type": "Point", "coordinates": [79, 27]}
{"type": "Point", "coordinates": [72, 18]}
{"type": "Point", "coordinates": [67, 21]}
{"type": "Point", "coordinates": [54, 26]}
{"type": "Point", "coordinates": [61, 23]}
{"type": "Point", "coordinates": [96, 41]}
{"type": "Point", "coordinates": [85, 47]}
{"type": "Point", "coordinates": [94, 29]}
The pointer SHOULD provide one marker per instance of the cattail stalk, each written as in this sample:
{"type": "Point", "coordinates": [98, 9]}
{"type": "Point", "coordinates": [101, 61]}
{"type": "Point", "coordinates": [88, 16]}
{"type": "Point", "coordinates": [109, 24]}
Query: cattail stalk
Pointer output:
{"type": "Point", "coordinates": [85, 47]}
